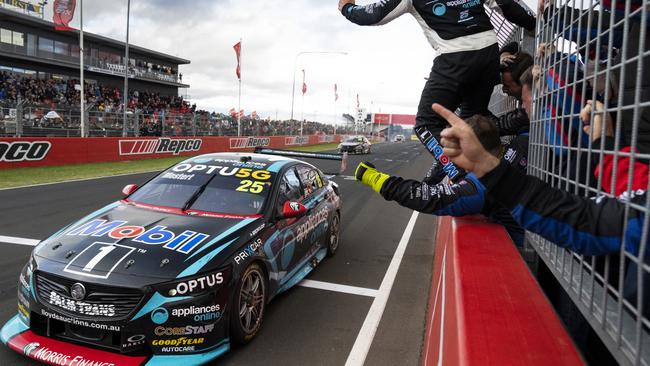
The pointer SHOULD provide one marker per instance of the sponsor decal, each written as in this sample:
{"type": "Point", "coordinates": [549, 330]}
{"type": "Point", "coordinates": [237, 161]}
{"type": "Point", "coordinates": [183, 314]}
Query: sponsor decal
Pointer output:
{"type": "Point", "coordinates": [96, 260]}
{"type": "Point", "coordinates": [197, 284]}
{"type": "Point", "coordinates": [237, 163]}
{"type": "Point", "coordinates": [439, 9]}
{"type": "Point", "coordinates": [249, 142]}
{"type": "Point", "coordinates": [23, 311]}
{"type": "Point", "coordinates": [44, 354]}
{"type": "Point", "coordinates": [225, 171]}
{"type": "Point", "coordinates": [182, 341]}
{"type": "Point", "coordinates": [510, 155]}
{"type": "Point", "coordinates": [175, 176]}
{"type": "Point", "coordinates": [78, 322]}
{"type": "Point", "coordinates": [134, 341]}
{"type": "Point", "coordinates": [257, 230]}
{"type": "Point", "coordinates": [14, 152]}
{"type": "Point", "coordinates": [192, 310]}
{"type": "Point", "coordinates": [159, 316]}
{"type": "Point", "coordinates": [325, 139]}
{"type": "Point", "coordinates": [434, 147]}
{"type": "Point", "coordinates": [296, 140]}
{"type": "Point", "coordinates": [81, 307]}
{"type": "Point", "coordinates": [186, 330]}
{"type": "Point", "coordinates": [157, 235]}
{"type": "Point", "coordinates": [311, 223]}
{"type": "Point", "coordinates": [178, 349]}
{"type": "Point", "coordinates": [160, 146]}
{"type": "Point", "coordinates": [249, 251]}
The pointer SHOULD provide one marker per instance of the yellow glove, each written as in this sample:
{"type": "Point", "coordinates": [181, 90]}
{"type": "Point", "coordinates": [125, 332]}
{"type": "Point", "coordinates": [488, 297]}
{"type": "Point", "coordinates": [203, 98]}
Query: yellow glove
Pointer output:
{"type": "Point", "coordinates": [368, 175]}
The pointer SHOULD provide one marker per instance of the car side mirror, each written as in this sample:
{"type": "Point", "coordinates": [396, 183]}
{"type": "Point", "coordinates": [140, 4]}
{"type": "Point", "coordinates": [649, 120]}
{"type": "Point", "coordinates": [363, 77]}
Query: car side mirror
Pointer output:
{"type": "Point", "coordinates": [292, 210]}
{"type": "Point", "coordinates": [128, 189]}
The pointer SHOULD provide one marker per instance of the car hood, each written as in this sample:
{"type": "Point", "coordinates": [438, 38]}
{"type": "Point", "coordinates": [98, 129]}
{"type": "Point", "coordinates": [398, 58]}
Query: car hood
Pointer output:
{"type": "Point", "coordinates": [122, 241]}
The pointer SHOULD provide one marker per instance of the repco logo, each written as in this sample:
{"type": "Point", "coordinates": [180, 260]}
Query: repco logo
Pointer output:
{"type": "Point", "coordinates": [14, 152]}
{"type": "Point", "coordinates": [159, 146]}
{"type": "Point", "coordinates": [248, 142]}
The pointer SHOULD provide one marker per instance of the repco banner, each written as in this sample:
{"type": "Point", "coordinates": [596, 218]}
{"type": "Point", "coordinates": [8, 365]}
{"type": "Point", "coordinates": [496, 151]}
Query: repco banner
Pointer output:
{"type": "Point", "coordinates": [43, 151]}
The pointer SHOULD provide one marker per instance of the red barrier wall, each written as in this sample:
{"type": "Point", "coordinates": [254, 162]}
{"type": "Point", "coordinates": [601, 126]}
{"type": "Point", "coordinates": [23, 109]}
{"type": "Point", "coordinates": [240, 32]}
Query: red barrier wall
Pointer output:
{"type": "Point", "coordinates": [48, 151]}
{"type": "Point", "coordinates": [485, 307]}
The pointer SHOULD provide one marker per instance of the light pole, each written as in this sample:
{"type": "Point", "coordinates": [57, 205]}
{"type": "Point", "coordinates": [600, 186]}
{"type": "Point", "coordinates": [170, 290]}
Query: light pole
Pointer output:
{"type": "Point", "coordinates": [295, 64]}
{"type": "Point", "coordinates": [126, 71]}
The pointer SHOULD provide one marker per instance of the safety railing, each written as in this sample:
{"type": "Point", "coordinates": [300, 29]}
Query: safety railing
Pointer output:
{"type": "Point", "coordinates": [596, 52]}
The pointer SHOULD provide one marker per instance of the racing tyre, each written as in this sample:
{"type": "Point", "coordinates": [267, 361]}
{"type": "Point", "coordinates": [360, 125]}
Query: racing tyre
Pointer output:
{"type": "Point", "coordinates": [249, 304]}
{"type": "Point", "coordinates": [334, 235]}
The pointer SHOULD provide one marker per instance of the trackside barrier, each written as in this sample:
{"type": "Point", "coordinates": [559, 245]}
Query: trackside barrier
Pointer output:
{"type": "Point", "coordinates": [485, 306]}
{"type": "Point", "coordinates": [53, 151]}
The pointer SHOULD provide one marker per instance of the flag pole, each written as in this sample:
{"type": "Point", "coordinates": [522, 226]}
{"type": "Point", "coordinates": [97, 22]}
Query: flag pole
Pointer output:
{"type": "Point", "coordinates": [126, 70]}
{"type": "Point", "coordinates": [81, 68]}
{"type": "Point", "coordinates": [239, 98]}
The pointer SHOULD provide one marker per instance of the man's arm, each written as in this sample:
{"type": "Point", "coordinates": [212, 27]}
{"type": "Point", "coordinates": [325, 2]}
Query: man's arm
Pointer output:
{"type": "Point", "coordinates": [514, 122]}
{"type": "Point", "coordinates": [466, 197]}
{"type": "Point", "coordinates": [377, 13]}
{"type": "Point", "coordinates": [514, 13]}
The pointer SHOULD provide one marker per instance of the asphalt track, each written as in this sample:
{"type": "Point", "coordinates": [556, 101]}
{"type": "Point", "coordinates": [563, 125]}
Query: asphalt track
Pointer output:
{"type": "Point", "coordinates": [306, 325]}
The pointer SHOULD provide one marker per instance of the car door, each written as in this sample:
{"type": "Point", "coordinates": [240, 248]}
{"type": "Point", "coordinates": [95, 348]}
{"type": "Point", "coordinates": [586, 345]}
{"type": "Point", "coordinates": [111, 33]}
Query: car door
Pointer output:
{"type": "Point", "coordinates": [283, 247]}
{"type": "Point", "coordinates": [309, 236]}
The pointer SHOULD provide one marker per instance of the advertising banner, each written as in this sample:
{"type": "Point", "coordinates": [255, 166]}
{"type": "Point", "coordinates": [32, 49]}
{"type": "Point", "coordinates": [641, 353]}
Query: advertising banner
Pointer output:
{"type": "Point", "coordinates": [52, 151]}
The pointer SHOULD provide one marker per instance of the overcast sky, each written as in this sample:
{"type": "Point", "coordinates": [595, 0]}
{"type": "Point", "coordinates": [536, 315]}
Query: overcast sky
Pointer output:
{"type": "Point", "coordinates": [385, 65]}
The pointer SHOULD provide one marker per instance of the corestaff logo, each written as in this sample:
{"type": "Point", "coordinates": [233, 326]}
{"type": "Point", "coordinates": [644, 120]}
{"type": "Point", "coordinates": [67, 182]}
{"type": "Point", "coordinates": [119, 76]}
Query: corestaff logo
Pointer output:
{"type": "Point", "coordinates": [159, 146]}
{"type": "Point", "coordinates": [249, 142]}
{"type": "Point", "coordinates": [15, 152]}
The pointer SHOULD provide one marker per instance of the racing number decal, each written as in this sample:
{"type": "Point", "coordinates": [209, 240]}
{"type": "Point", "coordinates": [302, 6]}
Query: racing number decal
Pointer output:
{"type": "Point", "coordinates": [250, 186]}
{"type": "Point", "coordinates": [98, 259]}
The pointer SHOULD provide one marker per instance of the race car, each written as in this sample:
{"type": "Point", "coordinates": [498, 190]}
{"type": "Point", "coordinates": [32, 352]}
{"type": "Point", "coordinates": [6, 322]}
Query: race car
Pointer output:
{"type": "Point", "coordinates": [355, 145]}
{"type": "Point", "coordinates": [178, 270]}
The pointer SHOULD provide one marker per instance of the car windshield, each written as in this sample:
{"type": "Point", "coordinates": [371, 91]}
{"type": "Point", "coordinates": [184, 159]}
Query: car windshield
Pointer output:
{"type": "Point", "coordinates": [354, 139]}
{"type": "Point", "coordinates": [210, 188]}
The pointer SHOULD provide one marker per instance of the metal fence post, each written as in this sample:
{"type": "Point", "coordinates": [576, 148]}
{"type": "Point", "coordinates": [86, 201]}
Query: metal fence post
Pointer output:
{"type": "Point", "coordinates": [19, 118]}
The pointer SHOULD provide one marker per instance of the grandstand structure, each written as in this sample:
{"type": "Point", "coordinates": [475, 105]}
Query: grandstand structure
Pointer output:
{"type": "Point", "coordinates": [30, 46]}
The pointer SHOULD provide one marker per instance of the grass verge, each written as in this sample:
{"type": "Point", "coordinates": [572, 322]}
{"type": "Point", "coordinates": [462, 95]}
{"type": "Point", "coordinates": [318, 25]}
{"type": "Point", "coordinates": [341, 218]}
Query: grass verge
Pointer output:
{"type": "Point", "coordinates": [18, 177]}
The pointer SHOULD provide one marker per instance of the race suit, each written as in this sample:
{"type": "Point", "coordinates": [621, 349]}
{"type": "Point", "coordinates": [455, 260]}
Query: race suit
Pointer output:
{"type": "Point", "coordinates": [467, 197]}
{"type": "Point", "coordinates": [467, 68]}
{"type": "Point", "coordinates": [586, 226]}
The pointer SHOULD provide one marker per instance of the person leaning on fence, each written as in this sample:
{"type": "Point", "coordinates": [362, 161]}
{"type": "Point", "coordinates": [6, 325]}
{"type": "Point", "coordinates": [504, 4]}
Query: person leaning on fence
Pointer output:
{"type": "Point", "coordinates": [467, 196]}
{"type": "Point", "coordinates": [598, 226]}
{"type": "Point", "coordinates": [467, 68]}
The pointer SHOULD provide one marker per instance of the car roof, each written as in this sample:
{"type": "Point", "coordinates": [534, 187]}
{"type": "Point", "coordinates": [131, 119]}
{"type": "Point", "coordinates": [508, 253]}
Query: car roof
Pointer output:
{"type": "Point", "coordinates": [273, 163]}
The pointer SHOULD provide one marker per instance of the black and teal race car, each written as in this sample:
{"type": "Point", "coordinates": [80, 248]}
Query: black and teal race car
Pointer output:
{"type": "Point", "coordinates": [181, 268]}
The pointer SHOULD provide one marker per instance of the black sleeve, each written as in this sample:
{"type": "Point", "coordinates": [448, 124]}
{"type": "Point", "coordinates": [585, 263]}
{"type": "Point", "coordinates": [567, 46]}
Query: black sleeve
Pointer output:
{"type": "Point", "coordinates": [512, 48]}
{"type": "Point", "coordinates": [586, 226]}
{"type": "Point", "coordinates": [377, 13]}
{"type": "Point", "coordinates": [514, 13]}
{"type": "Point", "coordinates": [514, 122]}
{"type": "Point", "coordinates": [464, 198]}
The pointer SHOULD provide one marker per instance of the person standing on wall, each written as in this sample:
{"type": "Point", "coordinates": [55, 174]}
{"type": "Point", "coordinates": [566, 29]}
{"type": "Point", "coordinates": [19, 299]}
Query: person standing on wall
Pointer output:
{"type": "Point", "coordinates": [467, 68]}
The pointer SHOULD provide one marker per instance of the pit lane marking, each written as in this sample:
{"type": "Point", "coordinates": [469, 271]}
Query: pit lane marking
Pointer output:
{"type": "Point", "coordinates": [334, 287]}
{"type": "Point", "coordinates": [357, 356]}
{"type": "Point", "coordinates": [19, 241]}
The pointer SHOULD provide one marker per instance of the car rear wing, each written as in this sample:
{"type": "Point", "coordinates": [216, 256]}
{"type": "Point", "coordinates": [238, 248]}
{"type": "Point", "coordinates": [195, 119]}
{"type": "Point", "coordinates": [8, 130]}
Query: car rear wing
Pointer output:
{"type": "Point", "coordinates": [311, 155]}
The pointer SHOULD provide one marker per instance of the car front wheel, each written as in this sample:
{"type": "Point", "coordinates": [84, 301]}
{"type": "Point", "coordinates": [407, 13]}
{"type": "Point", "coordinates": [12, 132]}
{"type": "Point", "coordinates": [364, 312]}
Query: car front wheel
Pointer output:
{"type": "Point", "coordinates": [249, 304]}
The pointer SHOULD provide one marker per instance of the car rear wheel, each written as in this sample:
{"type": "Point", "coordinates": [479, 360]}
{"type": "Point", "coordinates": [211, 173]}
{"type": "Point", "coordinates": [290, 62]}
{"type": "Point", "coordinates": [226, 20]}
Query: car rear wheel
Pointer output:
{"type": "Point", "coordinates": [249, 305]}
{"type": "Point", "coordinates": [334, 236]}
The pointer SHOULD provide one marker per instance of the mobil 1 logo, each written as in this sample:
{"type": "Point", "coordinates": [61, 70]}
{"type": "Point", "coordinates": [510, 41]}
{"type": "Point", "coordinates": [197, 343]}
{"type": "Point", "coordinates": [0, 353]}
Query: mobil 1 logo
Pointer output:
{"type": "Point", "coordinates": [14, 152]}
{"type": "Point", "coordinates": [98, 259]}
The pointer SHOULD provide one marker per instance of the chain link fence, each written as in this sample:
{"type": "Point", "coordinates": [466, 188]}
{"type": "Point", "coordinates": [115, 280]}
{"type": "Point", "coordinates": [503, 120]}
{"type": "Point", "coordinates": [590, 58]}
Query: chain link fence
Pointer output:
{"type": "Point", "coordinates": [594, 52]}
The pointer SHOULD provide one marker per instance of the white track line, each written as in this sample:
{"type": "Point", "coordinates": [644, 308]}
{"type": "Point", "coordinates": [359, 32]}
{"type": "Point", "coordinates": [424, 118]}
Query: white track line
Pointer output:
{"type": "Point", "coordinates": [20, 241]}
{"type": "Point", "coordinates": [357, 356]}
{"type": "Point", "coordinates": [80, 180]}
{"type": "Point", "coordinates": [353, 290]}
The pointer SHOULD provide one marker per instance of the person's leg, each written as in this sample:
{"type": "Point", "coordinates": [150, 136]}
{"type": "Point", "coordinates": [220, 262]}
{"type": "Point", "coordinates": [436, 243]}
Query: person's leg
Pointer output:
{"type": "Point", "coordinates": [442, 87]}
{"type": "Point", "coordinates": [478, 86]}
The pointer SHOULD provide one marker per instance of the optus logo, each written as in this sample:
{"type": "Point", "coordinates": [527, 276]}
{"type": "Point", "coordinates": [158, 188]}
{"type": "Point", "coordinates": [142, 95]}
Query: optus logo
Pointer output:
{"type": "Point", "coordinates": [159, 316]}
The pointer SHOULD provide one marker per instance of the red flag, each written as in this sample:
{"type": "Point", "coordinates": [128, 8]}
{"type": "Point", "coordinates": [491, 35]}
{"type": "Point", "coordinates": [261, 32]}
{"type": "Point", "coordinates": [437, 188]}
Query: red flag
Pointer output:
{"type": "Point", "coordinates": [63, 14]}
{"type": "Point", "coordinates": [304, 86]}
{"type": "Point", "coordinates": [237, 48]}
{"type": "Point", "coordinates": [336, 94]}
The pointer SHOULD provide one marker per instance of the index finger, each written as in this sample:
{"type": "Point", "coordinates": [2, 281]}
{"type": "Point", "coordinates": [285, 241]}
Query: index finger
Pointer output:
{"type": "Point", "coordinates": [450, 116]}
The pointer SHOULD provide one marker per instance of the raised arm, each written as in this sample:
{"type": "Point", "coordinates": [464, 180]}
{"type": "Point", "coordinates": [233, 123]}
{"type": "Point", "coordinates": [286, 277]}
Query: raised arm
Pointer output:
{"type": "Point", "coordinates": [514, 13]}
{"type": "Point", "coordinates": [377, 13]}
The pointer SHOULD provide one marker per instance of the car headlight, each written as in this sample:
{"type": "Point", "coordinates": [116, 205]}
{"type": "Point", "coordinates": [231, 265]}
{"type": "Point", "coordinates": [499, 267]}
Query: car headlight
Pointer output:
{"type": "Point", "coordinates": [197, 285]}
